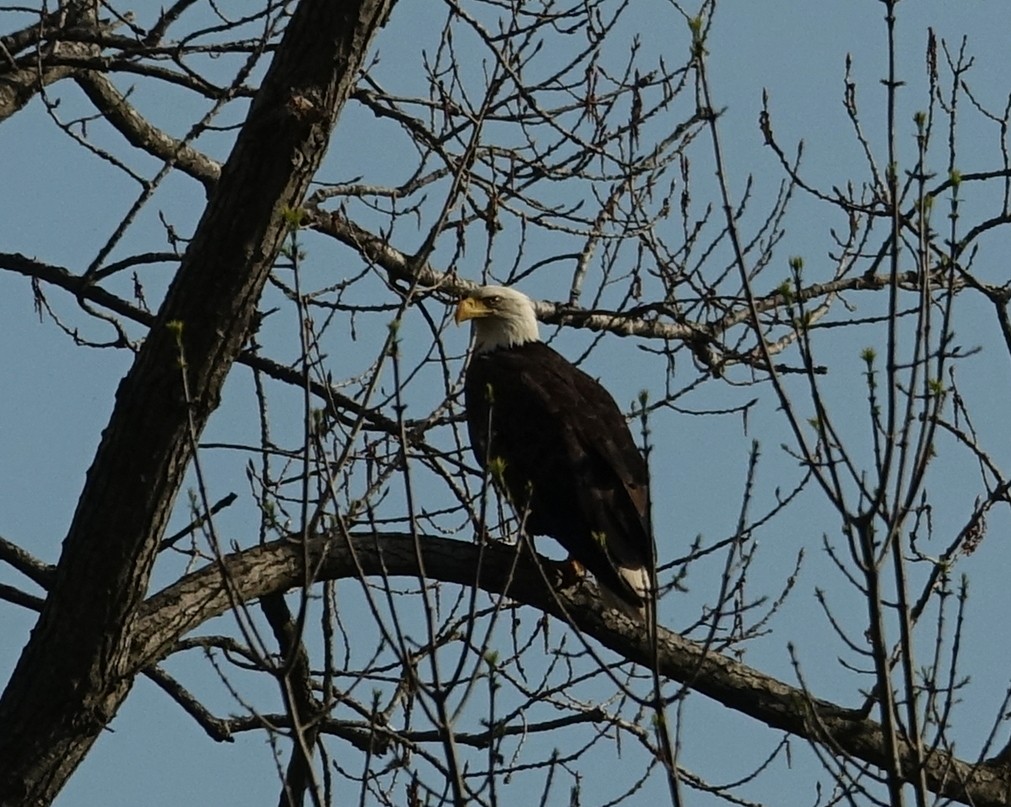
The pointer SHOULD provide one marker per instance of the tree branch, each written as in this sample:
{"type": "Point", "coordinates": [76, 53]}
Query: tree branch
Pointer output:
{"type": "Point", "coordinates": [72, 675]}
{"type": "Point", "coordinates": [277, 567]}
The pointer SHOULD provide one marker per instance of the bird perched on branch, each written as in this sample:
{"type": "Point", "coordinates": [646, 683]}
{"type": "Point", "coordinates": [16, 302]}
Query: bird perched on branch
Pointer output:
{"type": "Point", "coordinates": [555, 441]}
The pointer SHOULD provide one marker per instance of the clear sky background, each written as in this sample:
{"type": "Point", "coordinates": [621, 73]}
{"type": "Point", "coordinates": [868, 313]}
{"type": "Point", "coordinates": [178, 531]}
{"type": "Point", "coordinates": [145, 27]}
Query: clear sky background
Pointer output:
{"type": "Point", "coordinates": [56, 398]}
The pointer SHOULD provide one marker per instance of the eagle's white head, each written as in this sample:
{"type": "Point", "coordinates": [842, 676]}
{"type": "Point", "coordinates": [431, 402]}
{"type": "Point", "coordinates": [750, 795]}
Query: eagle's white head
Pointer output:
{"type": "Point", "coordinates": [500, 317]}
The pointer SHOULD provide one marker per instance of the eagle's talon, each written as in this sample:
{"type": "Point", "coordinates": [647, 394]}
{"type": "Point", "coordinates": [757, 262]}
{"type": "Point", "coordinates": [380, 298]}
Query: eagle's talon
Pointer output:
{"type": "Point", "coordinates": [570, 572]}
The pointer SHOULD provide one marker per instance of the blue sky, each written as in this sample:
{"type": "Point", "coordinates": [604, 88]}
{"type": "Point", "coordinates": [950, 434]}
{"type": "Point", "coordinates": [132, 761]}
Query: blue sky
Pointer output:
{"type": "Point", "coordinates": [55, 398]}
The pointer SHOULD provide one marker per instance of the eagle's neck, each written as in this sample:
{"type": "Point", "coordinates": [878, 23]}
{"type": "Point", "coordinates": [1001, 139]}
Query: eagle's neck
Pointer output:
{"type": "Point", "coordinates": [494, 333]}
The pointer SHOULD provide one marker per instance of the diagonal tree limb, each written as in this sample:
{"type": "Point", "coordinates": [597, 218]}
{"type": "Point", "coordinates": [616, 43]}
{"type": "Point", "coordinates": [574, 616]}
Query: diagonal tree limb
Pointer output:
{"type": "Point", "coordinates": [331, 395]}
{"type": "Point", "coordinates": [142, 134]}
{"type": "Point", "coordinates": [22, 78]}
{"type": "Point", "coordinates": [277, 567]}
{"type": "Point", "coordinates": [19, 87]}
{"type": "Point", "coordinates": [75, 672]}
{"type": "Point", "coordinates": [31, 567]}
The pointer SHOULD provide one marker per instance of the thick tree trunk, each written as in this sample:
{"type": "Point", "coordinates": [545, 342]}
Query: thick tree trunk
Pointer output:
{"type": "Point", "coordinates": [74, 673]}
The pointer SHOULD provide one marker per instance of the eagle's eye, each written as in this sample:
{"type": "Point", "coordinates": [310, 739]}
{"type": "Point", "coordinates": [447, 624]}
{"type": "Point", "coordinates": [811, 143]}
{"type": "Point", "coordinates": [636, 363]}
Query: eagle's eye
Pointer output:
{"type": "Point", "coordinates": [493, 301]}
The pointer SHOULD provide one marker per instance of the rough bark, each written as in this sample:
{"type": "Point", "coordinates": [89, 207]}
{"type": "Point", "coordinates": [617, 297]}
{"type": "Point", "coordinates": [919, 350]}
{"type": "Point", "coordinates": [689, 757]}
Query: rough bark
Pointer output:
{"type": "Point", "coordinates": [37, 56]}
{"type": "Point", "coordinates": [75, 671]}
{"type": "Point", "coordinates": [278, 567]}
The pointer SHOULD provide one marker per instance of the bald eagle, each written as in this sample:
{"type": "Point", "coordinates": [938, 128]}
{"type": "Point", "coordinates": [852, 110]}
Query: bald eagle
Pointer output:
{"type": "Point", "coordinates": [561, 448]}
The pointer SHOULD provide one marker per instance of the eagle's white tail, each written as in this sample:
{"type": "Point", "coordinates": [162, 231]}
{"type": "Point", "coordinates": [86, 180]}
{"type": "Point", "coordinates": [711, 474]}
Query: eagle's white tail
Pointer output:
{"type": "Point", "coordinates": [639, 581]}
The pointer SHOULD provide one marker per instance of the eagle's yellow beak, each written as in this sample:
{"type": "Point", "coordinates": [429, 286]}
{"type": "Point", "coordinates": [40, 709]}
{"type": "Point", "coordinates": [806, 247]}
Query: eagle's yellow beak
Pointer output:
{"type": "Point", "coordinates": [470, 308]}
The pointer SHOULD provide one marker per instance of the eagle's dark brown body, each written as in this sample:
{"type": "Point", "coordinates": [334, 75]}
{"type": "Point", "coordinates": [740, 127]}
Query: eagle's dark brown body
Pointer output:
{"type": "Point", "coordinates": [569, 463]}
